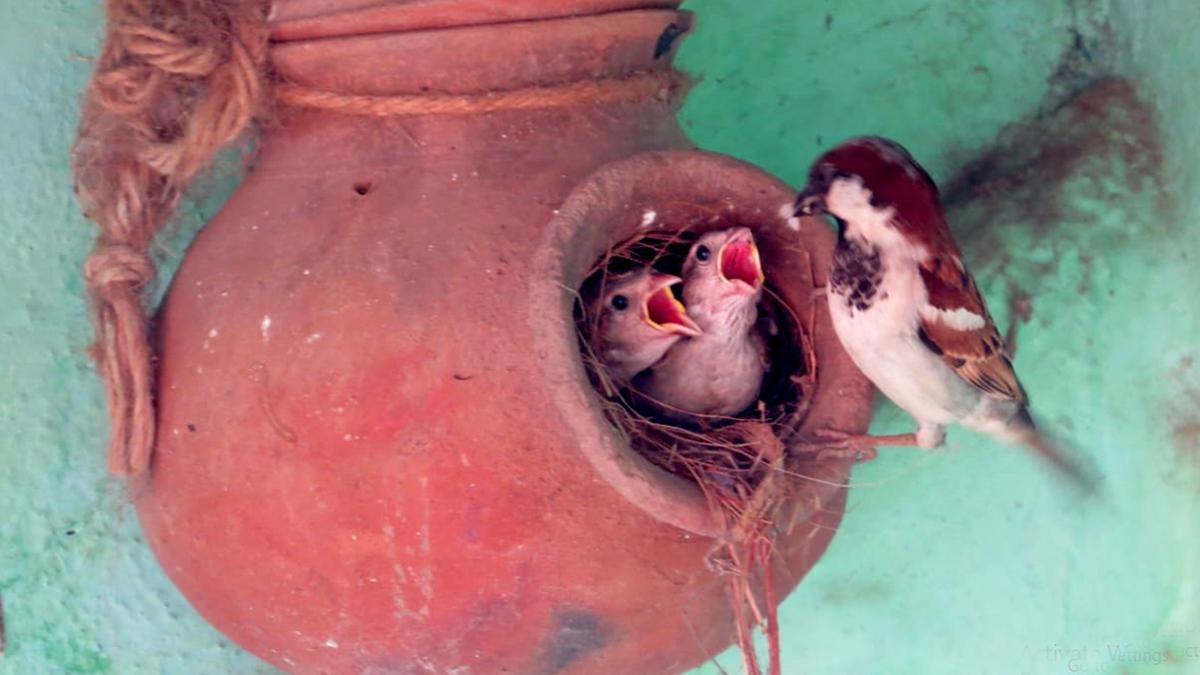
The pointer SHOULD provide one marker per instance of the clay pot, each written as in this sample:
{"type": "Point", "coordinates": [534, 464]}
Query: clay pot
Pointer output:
{"type": "Point", "coordinates": [378, 452]}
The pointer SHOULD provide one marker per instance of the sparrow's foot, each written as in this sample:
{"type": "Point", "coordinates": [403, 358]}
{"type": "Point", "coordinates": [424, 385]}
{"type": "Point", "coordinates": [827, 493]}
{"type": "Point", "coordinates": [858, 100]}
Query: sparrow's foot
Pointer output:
{"type": "Point", "coordinates": [820, 293]}
{"type": "Point", "coordinates": [859, 447]}
{"type": "Point", "coordinates": [930, 436]}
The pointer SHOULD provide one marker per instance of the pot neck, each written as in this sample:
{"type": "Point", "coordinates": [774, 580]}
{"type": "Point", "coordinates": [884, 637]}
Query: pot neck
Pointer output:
{"type": "Point", "coordinates": [313, 19]}
{"type": "Point", "coordinates": [485, 58]}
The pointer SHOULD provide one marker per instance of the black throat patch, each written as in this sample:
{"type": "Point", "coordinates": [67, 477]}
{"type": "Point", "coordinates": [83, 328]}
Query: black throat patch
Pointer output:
{"type": "Point", "coordinates": [856, 273]}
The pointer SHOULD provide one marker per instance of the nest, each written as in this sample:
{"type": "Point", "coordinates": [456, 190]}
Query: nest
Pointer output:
{"type": "Point", "coordinates": [738, 462]}
{"type": "Point", "coordinates": [731, 458]}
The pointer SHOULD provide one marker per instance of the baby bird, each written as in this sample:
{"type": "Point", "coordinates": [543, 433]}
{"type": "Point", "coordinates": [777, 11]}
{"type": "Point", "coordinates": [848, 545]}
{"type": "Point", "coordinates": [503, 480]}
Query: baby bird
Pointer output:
{"type": "Point", "coordinates": [720, 371]}
{"type": "Point", "coordinates": [639, 319]}
{"type": "Point", "coordinates": [905, 307]}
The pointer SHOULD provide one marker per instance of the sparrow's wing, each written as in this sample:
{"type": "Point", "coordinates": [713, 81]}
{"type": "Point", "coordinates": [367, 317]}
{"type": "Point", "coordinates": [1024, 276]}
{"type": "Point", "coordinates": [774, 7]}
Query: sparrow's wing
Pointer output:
{"type": "Point", "coordinates": [956, 325]}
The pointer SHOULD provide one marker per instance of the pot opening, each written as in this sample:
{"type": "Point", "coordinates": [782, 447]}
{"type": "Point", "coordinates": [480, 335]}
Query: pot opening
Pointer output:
{"type": "Point", "coordinates": [757, 481]}
{"type": "Point", "coordinates": [733, 458]}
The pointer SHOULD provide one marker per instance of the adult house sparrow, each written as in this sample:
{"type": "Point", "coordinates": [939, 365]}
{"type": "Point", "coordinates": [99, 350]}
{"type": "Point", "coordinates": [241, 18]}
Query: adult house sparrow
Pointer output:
{"type": "Point", "coordinates": [720, 371]}
{"type": "Point", "coordinates": [907, 310]}
{"type": "Point", "coordinates": [639, 319]}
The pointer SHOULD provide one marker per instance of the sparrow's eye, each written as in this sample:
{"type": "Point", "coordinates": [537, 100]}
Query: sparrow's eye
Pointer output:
{"type": "Point", "coordinates": [703, 254]}
{"type": "Point", "coordinates": [619, 302]}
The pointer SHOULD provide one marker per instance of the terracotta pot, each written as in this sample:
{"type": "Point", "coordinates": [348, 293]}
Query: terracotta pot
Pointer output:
{"type": "Point", "coordinates": [378, 452]}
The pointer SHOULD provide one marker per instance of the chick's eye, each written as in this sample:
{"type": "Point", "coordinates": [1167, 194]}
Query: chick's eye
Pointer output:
{"type": "Point", "coordinates": [619, 302]}
{"type": "Point", "coordinates": [703, 254]}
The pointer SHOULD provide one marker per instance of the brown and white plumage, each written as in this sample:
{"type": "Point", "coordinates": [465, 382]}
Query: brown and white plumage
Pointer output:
{"type": "Point", "coordinates": [905, 306]}
{"type": "Point", "coordinates": [977, 353]}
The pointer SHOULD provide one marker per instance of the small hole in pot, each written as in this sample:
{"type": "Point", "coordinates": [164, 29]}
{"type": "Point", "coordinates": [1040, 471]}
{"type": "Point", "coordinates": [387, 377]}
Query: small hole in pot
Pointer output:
{"type": "Point", "coordinates": [361, 188]}
{"type": "Point", "coordinates": [666, 39]}
{"type": "Point", "coordinates": [729, 456]}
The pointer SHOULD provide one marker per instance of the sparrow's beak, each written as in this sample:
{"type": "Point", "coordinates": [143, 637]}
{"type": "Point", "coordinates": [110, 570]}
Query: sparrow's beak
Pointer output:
{"type": "Point", "coordinates": [738, 262]}
{"type": "Point", "coordinates": [810, 202]}
{"type": "Point", "coordinates": [663, 311]}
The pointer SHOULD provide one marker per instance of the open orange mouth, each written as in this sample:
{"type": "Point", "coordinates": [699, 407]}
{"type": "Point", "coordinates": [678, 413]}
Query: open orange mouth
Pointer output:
{"type": "Point", "coordinates": [665, 312]}
{"type": "Point", "coordinates": [739, 261]}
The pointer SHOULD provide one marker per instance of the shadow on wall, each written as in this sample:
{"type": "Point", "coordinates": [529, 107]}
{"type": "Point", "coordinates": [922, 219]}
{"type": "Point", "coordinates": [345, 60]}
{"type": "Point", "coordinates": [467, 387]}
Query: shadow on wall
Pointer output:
{"type": "Point", "coordinates": [1084, 176]}
{"type": "Point", "coordinates": [1095, 156]}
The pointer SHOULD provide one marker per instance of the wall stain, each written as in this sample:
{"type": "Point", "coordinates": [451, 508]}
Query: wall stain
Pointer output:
{"type": "Point", "coordinates": [1051, 179]}
{"type": "Point", "coordinates": [1183, 418]}
{"type": "Point", "coordinates": [1020, 311]}
{"type": "Point", "coordinates": [1027, 167]}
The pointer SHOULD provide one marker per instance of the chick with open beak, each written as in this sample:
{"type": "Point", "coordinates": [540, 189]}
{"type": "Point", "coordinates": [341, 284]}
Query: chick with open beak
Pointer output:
{"type": "Point", "coordinates": [719, 371]}
{"type": "Point", "coordinates": [639, 319]}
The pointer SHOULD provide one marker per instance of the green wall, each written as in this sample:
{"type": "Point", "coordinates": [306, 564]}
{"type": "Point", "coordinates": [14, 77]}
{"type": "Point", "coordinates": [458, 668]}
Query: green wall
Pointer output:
{"type": "Point", "coordinates": [973, 560]}
{"type": "Point", "coordinates": [967, 560]}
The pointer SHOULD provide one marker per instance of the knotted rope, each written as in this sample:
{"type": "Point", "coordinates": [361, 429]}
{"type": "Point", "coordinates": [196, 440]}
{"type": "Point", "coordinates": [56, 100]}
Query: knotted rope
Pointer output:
{"type": "Point", "coordinates": [176, 81]}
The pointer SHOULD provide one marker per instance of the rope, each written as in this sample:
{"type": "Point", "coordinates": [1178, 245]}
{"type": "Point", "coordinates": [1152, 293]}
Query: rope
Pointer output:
{"type": "Point", "coordinates": [656, 84]}
{"type": "Point", "coordinates": [175, 81]}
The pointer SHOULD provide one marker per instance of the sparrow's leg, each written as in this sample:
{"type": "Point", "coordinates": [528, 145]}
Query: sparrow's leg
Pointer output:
{"type": "Point", "coordinates": [860, 447]}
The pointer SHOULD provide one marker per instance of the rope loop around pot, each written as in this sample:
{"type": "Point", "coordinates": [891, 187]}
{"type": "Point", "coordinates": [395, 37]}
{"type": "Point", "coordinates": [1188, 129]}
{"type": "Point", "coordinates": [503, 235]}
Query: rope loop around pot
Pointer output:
{"type": "Point", "coordinates": [662, 85]}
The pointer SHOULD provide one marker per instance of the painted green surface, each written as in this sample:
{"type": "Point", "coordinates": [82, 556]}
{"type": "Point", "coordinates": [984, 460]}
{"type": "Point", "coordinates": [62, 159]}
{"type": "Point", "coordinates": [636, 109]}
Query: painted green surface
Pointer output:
{"type": "Point", "coordinates": [973, 560]}
{"type": "Point", "coordinates": [81, 591]}
{"type": "Point", "coordinates": [966, 561]}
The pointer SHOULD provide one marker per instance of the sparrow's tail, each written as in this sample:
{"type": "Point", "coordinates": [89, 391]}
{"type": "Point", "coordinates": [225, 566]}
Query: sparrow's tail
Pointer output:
{"type": "Point", "coordinates": [1082, 476]}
